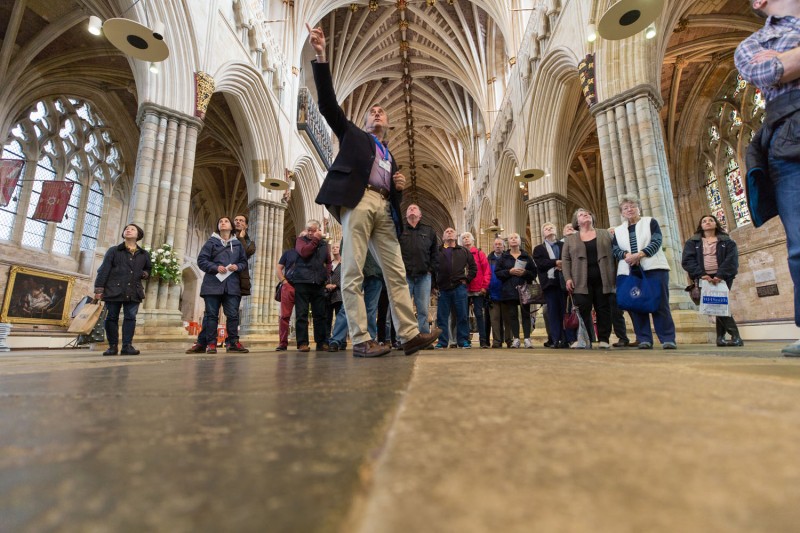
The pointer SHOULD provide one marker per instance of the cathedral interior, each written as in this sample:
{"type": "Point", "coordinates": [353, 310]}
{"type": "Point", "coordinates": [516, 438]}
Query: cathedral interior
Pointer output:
{"type": "Point", "coordinates": [481, 96]}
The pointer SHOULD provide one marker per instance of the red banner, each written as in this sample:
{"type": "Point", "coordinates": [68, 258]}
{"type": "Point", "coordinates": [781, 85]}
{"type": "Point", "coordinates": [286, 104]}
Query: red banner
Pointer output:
{"type": "Point", "coordinates": [53, 201]}
{"type": "Point", "coordinates": [9, 175]}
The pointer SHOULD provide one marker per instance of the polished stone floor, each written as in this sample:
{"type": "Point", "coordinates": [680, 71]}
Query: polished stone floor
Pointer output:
{"type": "Point", "coordinates": [701, 439]}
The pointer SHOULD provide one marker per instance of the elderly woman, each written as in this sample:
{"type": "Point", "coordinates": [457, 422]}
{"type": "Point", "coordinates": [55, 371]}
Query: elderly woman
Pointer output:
{"type": "Point", "coordinates": [588, 267]}
{"type": "Point", "coordinates": [637, 246]}
{"type": "Point", "coordinates": [512, 273]}
{"type": "Point", "coordinates": [547, 257]}
{"type": "Point", "coordinates": [479, 286]}
{"type": "Point", "coordinates": [710, 254]}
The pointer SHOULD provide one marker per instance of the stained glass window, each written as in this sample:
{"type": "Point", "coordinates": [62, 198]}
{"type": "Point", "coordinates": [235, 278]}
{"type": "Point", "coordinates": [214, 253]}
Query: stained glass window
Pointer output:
{"type": "Point", "coordinates": [715, 198]}
{"type": "Point", "coordinates": [733, 178]}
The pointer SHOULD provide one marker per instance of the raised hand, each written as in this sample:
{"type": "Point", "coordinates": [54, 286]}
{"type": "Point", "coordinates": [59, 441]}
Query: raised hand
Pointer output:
{"type": "Point", "coordinates": [316, 39]}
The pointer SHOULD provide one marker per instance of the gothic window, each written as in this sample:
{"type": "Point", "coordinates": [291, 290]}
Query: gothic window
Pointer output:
{"type": "Point", "coordinates": [69, 141]}
{"type": "Point", "coordinates": [734, 115]}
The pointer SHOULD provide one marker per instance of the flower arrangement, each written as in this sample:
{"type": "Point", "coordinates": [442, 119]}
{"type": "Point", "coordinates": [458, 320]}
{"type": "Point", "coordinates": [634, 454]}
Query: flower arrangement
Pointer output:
{"type": "Point", "coordinates": [165, 264]}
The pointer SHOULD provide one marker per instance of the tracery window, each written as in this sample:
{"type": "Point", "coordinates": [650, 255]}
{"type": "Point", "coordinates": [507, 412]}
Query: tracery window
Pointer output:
{"type": "Point", "coordinates": [734, 115]}
{"type": "Point", "coordinates": [60, 138]}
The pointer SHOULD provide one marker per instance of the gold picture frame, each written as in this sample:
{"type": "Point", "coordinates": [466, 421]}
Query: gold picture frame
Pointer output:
{"type": "Point", "coordinates": [37, 297]}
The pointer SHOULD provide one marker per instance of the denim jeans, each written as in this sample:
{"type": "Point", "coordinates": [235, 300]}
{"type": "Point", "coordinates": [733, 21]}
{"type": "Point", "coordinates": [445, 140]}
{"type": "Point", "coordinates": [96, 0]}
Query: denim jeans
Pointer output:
{"type": "Point", "coordinates": [477, 303]}
{"type": "Point", "coordinates": [339, 334]}
{"type": "Point", "coordinates": [662, 318]}
{"type": "Point", "coordinates": [230, 306]}
{"type": "Point", "coordinates": [786, 177]}
{"type": "Point", "coordinates": [555, 313]}
{"type": "Point", "coordinates": [453, 298]}
{"type": "Point", "coordinates": [420, 289]}
{"type": "Point", "coordinates": [128, 322]}
{"type": "Point", "coordinates": [372, 294]}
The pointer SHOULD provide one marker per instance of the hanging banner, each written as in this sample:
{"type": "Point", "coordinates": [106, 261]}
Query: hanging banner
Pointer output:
{"type": "Point", "coordinates": [53, 201]}
{"type": "Point", "coordinates": [10, 169]}
{"type": "Point", "coordinates": [586, 75]}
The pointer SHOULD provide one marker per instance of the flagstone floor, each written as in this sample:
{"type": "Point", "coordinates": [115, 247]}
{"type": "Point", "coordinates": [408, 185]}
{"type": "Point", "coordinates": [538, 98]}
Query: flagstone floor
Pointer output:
{"type": "Point", "coordinates": [700, 439]}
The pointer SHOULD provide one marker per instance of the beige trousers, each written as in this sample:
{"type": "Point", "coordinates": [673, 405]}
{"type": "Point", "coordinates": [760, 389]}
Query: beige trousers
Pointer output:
{"type": "Point", "coordinates": [370, 225]}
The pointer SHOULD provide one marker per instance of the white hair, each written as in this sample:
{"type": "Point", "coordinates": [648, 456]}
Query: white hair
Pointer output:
{"type": "Point", "coordinates": [467, 234]}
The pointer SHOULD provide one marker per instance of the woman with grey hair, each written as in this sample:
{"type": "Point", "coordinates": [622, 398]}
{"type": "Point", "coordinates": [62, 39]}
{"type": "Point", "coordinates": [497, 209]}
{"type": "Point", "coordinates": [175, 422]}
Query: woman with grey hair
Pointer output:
{"type": "Point", "coordinates": [638, 248]}
{"type": "Point", "coordinates": [588, 267]}
{"type": "Point", "coordinates": [515, 268]}
{"type": "Point", "coordinates": [479, 286]}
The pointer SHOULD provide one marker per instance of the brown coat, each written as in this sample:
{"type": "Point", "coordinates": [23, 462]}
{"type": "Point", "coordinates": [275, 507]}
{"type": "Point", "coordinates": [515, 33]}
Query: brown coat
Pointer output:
{"type": "Point", "coordinates": [574, 264]}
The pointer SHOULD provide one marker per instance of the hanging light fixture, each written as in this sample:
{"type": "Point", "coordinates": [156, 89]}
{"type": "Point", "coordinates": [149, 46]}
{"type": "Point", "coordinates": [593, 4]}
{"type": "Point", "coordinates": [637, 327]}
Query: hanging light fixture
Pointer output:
{"type": "Point", "coordinates": [626, 18]}
{"type": "Point", "coordinates": [650, 32]}
{"type": "Point", "coordinates": [154, 68]}
{"type": "Point", "coordinates": [137, 40]}
{"type": "Point", "coordinates": [591, 33]}
{"type": "Point", "coordinates": [95, 25]}
{"type": "Point", "coordinates": [272, 184]}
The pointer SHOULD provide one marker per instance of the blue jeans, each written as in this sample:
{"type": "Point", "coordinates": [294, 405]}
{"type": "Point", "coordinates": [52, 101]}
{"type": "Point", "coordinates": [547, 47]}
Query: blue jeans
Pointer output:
{"type": "Point", "coordinates": [372, 294]}
{"type": "Point", "coordinates": [230, 306]}
{"type": "Point", "coordinates": [555, 313]}
{"type": "Point", "coordinates": [477, 303]}
{"type": "Point", "coordinates": [420, 289]}
{"type": "Point", "coordinates": [128, 322]}
{"type": "Point", "coordinates": [662, 318]}
{"type": "Point", "coordinates": [453, 298]}
{"type": "Point", "coordinates": [786, 177]}
{"type": "Point", "coordinates": [339, 334]}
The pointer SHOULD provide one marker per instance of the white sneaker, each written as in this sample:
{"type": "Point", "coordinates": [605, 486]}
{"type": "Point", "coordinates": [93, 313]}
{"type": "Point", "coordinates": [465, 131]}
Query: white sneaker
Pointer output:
{"type": "Point", "coordinates": [792, 350]}
{"type": "Point", "coordinates": [604, 346]}
{"type": "Point", "coordinates": [528, 343]}
{"type": "Point", "coordinates": [515, 343]}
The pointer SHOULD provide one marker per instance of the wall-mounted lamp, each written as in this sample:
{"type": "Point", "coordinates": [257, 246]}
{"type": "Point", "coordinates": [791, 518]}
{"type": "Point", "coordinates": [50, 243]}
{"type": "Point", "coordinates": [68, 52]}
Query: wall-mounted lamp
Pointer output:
{"type": "Point", "coordinates": [650, 32]}
{"type": "Point", "coordinates": [292, 185]}
{"type": "Point", "coordinates": [516, 172]}
{"type": "Point", "coordinates": [591, 33]}
{"type": "Point", "coordinates": [95, 25]}
{"type": "Point", "coordinates": [154, 68]}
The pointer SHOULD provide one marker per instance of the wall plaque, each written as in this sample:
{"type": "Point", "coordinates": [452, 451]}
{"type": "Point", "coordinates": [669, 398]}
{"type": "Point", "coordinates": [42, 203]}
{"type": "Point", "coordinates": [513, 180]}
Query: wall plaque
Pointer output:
{"type": "Point", "coordinates": [765, 275]}
{"type": "Point", "coordinates": [767, 290]}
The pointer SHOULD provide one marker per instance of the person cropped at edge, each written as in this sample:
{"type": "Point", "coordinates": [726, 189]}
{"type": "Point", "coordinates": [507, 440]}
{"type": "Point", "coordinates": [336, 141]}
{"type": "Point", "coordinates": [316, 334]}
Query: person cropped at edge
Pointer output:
{"type": "Point", "coordinates": [309, 275]}
{"type": "Point", "coordinates": [711, 255]}
{"type": "Point", "coordinates": [547, 257]}
{"type": "Point", "coordinates": [479, 286]}
{"type": "Point", "coordinates": [588, 266]}
{"type": "Point", "coordinates": [419, 246]}
{"type": "Point", "coordinates": [770, 60]}
{"type": "Point", "coordinates": [221, 256]}
{"type": "Point", "coordinates": [284, 267]}
{"type": "Point", "coordinates": [457, 269]}
{"type": "Point", "coordinates": [512, 277]}
{"type": "Point", "coordinates": [362, 191]}
{"type": "Point", "coordinates": [119, 285]}
{"type": "Point", "coordinates": [637, 247]}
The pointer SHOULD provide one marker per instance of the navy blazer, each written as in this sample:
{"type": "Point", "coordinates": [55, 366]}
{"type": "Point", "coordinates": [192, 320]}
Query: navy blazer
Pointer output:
{"type": "Point", "coordinates": [348, 176]}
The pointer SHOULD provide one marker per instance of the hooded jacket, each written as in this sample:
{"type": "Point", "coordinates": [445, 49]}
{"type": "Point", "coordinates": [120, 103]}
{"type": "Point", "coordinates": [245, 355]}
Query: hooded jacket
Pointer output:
{"type": "Point", "coordinates": [218, 252]}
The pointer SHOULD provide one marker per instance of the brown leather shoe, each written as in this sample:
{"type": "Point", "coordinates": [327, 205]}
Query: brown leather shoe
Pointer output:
{"type": "Point", "coordinates": [370, 348]}
{"type": "Point", "coordinates": [303, 348]}
{"type": "Point", "coordinates": [422, 340]}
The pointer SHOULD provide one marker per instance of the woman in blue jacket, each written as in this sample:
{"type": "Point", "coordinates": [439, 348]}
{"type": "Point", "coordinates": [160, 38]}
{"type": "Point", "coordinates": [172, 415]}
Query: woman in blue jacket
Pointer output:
{"type": "Point", "coordinates": [711, 255]}
{"type": "Point", "coordinates": [222, 258]}
{"type": "Point", "coordinates": [506, 270]}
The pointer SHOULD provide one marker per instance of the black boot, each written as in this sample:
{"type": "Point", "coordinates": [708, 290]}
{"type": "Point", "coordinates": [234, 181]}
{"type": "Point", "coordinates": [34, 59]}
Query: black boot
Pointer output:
{"type": "Point", "coordinates": [722, 342]}
{"type": "Point", "coordinates": [735, 341]}
{"type": "Point", "coordinates": [128, 349]}
{"type": "Point", "coordinates": [112, 350]}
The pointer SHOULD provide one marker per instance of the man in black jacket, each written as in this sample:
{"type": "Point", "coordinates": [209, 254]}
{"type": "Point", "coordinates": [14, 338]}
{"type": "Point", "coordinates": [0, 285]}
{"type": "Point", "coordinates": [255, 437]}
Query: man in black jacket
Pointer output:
{"type": "Point", "coordinates": [419, 245]}
{"type": "Point", "coordinates": [456, 269]}
{"type": "Point", "coordinates": [362, 191]}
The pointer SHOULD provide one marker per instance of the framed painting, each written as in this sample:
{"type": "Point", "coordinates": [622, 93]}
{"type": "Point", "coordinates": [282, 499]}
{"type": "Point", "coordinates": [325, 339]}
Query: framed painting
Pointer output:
{"type": "Point", "coordinates": [37, 297]}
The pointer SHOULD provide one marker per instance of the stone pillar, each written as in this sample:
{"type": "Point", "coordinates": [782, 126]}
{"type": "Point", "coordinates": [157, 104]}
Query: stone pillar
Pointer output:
{"type": "Point", "coordinates": [634, 161]}
{"type": "Point", "coordinates": [160, 205]}
{"type": "Point", "coordinates": [547, 208]}
{"type": "Point", "coordinates": [260, 311]}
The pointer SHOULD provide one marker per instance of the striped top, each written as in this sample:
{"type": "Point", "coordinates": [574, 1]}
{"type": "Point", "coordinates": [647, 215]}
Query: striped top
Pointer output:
{"type": "Point", "coordinates": [650, 250]}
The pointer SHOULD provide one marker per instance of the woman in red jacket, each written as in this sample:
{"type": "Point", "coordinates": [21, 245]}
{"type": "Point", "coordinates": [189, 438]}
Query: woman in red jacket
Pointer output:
{"type": "Point", "coordinates": [479, 286]}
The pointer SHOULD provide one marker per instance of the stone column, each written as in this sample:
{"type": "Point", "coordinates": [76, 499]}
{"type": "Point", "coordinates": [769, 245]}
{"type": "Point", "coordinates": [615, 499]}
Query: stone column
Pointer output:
{"type": "Point", "coordinates": [547, 208]}
{"type": "Point", "coordinates": [160, 205]}
{"type": "Point", "coordinates": [260, 311]}
{"type": "Point", "coordinates": [634, 161]}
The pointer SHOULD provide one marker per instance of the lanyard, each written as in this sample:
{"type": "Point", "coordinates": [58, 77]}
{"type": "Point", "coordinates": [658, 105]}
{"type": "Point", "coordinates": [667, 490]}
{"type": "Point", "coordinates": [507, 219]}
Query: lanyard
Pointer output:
{"type": "Point", "coordinates": [381, 147]}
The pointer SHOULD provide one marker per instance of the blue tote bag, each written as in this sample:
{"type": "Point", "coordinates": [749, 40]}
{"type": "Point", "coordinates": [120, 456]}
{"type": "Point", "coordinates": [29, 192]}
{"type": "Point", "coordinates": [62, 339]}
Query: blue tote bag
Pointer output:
{"type": "Point", "coordinates": [638, 294]}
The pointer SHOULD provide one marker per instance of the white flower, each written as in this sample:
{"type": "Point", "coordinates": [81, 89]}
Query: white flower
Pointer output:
{"type": "Point", "coordinates": [166, 252]}
{"type": "Point", "coordinates": [160, 251]}
{"type": "Point", "coordinates": [165, 261]}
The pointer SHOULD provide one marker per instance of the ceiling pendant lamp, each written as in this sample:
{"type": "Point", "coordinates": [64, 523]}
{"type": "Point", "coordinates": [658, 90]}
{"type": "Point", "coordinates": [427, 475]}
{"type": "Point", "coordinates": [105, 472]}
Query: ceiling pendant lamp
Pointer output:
{"type": "Point", "coordinates": [626, 18]}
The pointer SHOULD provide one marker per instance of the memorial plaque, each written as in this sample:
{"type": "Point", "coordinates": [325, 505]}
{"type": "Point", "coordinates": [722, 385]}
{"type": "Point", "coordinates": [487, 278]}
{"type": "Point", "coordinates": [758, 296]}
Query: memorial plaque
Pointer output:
{"type": "Point", "coordinates": [767, 290]}
{"type": "Point", "coordinates": [765, 275]}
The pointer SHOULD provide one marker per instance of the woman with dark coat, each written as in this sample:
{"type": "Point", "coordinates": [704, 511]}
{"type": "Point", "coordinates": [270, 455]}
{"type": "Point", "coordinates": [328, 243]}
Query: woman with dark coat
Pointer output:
{"type": "Point", "coordinates": [221, 258]}
{"type": "Point", "coordinates": [711, 255]}
{"type": "Point", "coordinates": [512, 277]}
{"type": "Point", "coordinates": [119, 285]}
